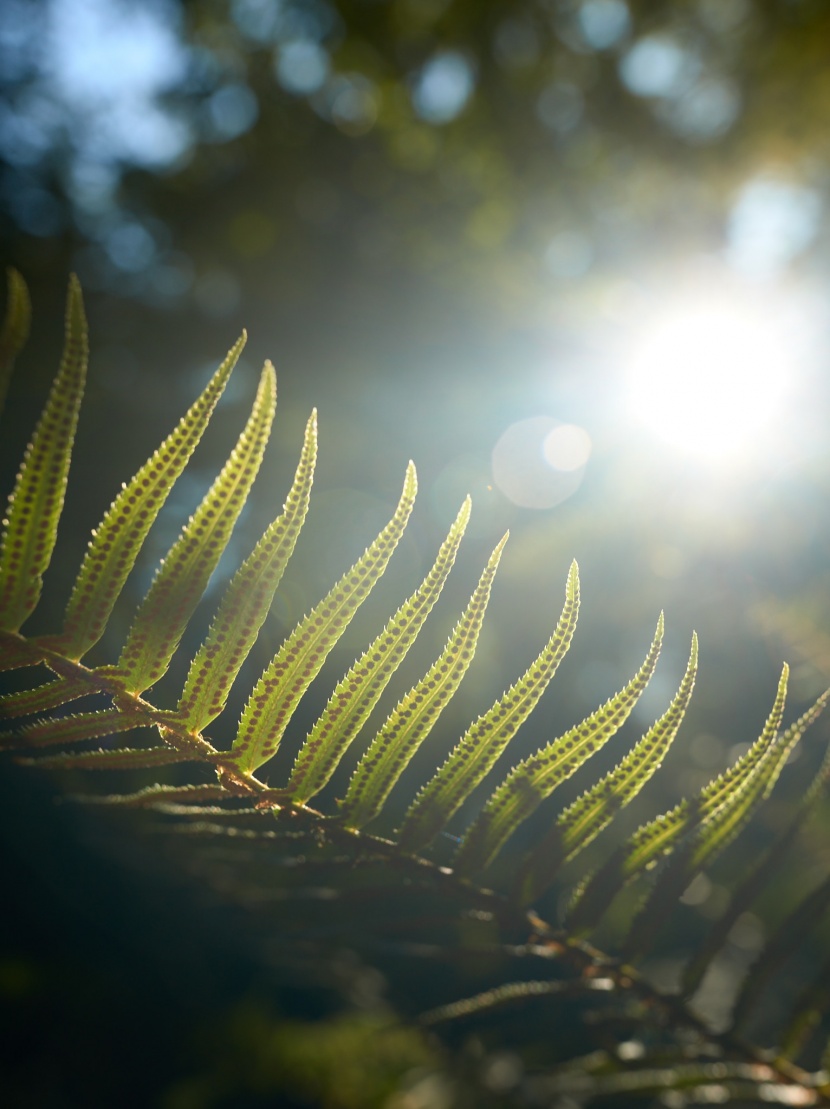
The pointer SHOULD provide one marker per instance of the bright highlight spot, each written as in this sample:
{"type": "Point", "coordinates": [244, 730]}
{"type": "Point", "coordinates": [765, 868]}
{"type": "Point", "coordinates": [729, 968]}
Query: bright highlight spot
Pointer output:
{"type": "Point", "coordinates": [709, 379]}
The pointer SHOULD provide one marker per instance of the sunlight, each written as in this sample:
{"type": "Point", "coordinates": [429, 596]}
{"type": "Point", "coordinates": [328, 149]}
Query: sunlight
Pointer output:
{"type": "Point", "coordinates": [709, 378]}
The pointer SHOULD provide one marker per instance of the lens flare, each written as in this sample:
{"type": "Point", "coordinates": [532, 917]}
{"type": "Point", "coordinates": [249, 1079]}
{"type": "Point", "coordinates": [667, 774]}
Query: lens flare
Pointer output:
{"type": "Point", "coordinates": [540, 462]}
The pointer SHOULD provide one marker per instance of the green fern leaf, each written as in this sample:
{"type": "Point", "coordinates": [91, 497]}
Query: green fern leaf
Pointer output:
{"type": "Point", "coordinates": [755, 771]}
{"type": "Point", "coordinates": [715, 832]}
{"type": "Point", "coordinates": [151, 795]}
{"type": "Point", "coordinates": [125, 758]}
{"type": "Point", "coordinates": [535, 778]}
{"type": "Point", "coordinates": [725, 823]}
{"type": "Point", "coordinates": [582, 821]}
{"type": "Point", "coordinates": [78, 727]}
{"type": "Point", "coordinates": [183, 575]}
{"type": "Point", "coordinates": [359, 691]}
{"type": "Point", "coordinates": [15, 653]}
{"type": "Point", "coordinates": [31, 523]}
{"type": "Point", "coordinates": [15, 328]}
{"type": "Point", "coordinates": [117, 540]}
{"type": "Point", "coordinates": [760, 876]}
{"type": "Point", "coordinates": [297, 663]}
{"type": "Point", "coordinates": [247, 601]}
{"type": "Point", "coordinates": [412, 719]}
{"type": "Point", "coordinates": [479, 748]}
{"type": "Point", "coordinates": [27, 702]}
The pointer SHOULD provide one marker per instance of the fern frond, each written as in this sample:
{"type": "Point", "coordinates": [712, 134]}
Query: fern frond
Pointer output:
{"type": "Point", "coordinates": [479, 748]}
{"type": "Point", "coordinates": [15, 653]}
{"type": "Point", "coordinates": [153, 794]}
{"type": "Point", "coordinates": [30, 526]}
{"type": "Point", "coordinates": [15, 330]}
{"type": "Point", "coordinates": [246, 601]}
{"type": "Point", "coordinates": [739, 789]}
{"type": "Point", "coordinates": [718, 828]}
{"type": "Point", "coordinates": [117, 540]}
{"type": "Point", "coordinates": [412, 719]}
{"type": "Point", "coordinates": [184, 573]}
{"type": "Point", "coordinates": [536, 777]}
{"type": "Point", "coordinates": [297, 663]}
{"type": "Point", "coordinates": [508, 994]}
{"type": "Point", "coordinates": [27, 702]}
{"type": "Point", "coordinates": [760, 875]}
{"type": "Point", "coordinates": [359, 691]}
{"type": "Point", "coordinates": [125, 758]}
{"type": "Point", "coordinates": [582, 821]}
{"type": "Point", "coordinates": [724, 824]}
{"type": "Point", "coordinates": [383, 889]}
{"type": "Point", "coordinates": [79, 726]}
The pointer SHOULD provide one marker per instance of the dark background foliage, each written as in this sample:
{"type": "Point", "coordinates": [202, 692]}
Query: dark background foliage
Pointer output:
{"type": "Point", "coordinates": [437, 218]}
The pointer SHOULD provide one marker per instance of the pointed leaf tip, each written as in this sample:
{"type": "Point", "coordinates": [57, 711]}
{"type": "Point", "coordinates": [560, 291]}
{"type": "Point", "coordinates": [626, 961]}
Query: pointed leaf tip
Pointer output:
{"type": "Point", "coordinates": [186, 569]}
{"type": "Point", "coordinates": [15, 330]}
{"type": "Point", "coordinates": [485, 739]}
{"type": "Point", "coordinates": [586, 817]}
{"type": "Point", "coordinates": [247, 600]}
{"type": "Point", "coordinates": [358, 692]}
{"type": "Point", "coordinates": [118, 538]}
{"type": "Point", "coordinates": [411, 721]}
{"type": "Point", "coordinates": [536, 777]}
{"type": "Point", "coordinates": [31, 523]}
{"type": "Point", "coordinates": [303, 653]}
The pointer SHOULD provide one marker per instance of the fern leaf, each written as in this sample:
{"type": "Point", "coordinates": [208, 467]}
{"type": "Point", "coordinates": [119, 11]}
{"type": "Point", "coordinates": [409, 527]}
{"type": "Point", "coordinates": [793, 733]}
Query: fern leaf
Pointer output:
{"type": "Point", "coordinates": [185, 572]}
{"type": "Point", "coordinates": [151, 795]}
{"type": "Point", "coordinates": [297, 663]}
{"type": "Point", "coordinates": [501, 996]}
{"type": "Point", "coordinates": [412, 719]}
{"type": "Point", "coordinates": [535, 778]}
{"type": "Point", "coordinates": [26, 702]}
{"type": "Point", "coordinates": [31, 523]}
{"type": "Point", "coordinates": [15, 328]}
{"type": "Point", "coordinates": [78, 727]}
{"type": "Point", "coordinates": [16, 652]}
{"type": "Point", "coordinates": [116, 541]}
{"type": "Point", "coordinates": [756, 771]}
{"type": "Point", "coordinates": [359, 691]}
{"type": "Point", "coordinates": [479, 748]}
{"type": "Point", "coordinates": [125, 758]}
{"type": "Point", "coordinates": [788, 937]}
{"type": "Point", "coordinates": [715, 832]}
{"type": "Point", "coordinates": [247, 601]}
{"type": "Point", "coordinates": [759, 877]}
{"type": "Point", "coordinates": [721, 827]}
{"type": "Point", "coordinates": [582, 821]}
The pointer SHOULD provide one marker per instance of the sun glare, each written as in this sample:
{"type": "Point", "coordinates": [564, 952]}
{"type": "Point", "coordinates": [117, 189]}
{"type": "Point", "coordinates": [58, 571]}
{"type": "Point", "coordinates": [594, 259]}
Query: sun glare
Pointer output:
{"type": "Point", "coordinates": [709, 379]}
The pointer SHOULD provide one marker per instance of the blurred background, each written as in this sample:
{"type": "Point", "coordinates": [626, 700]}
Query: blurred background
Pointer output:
{"type": "Point", "coordinates": [568, 255]}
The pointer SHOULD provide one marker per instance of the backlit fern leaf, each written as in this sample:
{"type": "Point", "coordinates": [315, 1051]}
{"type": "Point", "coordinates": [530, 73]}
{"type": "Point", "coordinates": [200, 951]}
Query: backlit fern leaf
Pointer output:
{"type": "Point", "coordinates": [536, 777]}
{"type": "Point", "coordinates": [30, 526]}
{"type": "Point", "coordinates": [236, 804]}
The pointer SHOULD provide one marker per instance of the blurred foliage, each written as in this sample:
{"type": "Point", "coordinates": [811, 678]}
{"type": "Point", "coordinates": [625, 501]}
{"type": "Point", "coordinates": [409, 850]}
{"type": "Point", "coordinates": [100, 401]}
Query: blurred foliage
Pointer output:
{"type": "Point", "coordinates": [433, 137]}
